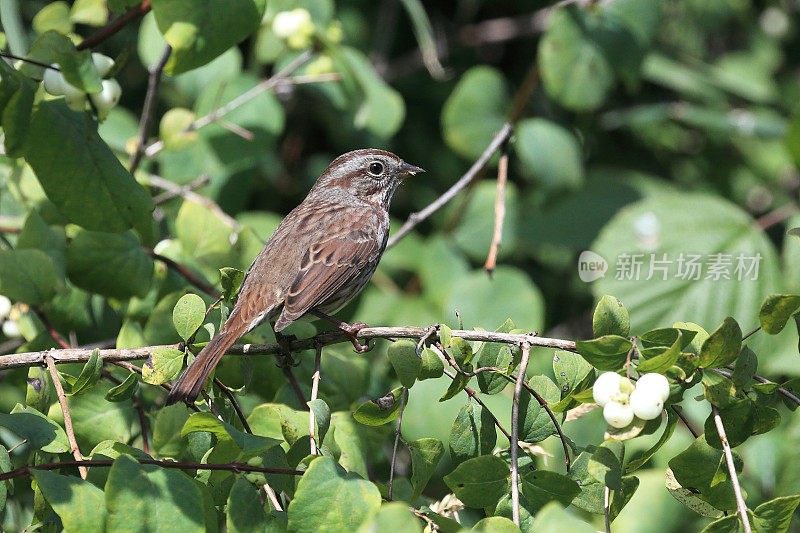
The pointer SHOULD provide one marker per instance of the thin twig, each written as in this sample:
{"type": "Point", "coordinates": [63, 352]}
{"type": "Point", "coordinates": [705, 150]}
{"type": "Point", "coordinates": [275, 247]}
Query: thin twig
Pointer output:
{"type": "Point", "coordinates": [51, 330]}
{"type": "Point", "coordinates": [75, 355]}
{"type": "Point", "coordinates": [173, 190]}
{"type": "Point", "coordinates": [397, 429]}
{"type": "Point", "coordinates": [523, 367]}
{"type": "Point", "coordinates": [137, 404]}
{"type": "Point", "coordinates": [149, 108]}
{"type": "Point", "coordinates": [187, 193]}
{"type": "Point", "coordinates": [235, 403]}
{"type": "Point", "coordinates": [62, 401]}
{"type": "Point", "coordinates": [737, 490]}
{"type": "Point", "coordinates": [786, 393]}
{"type": "Point", "coordinates": [751, 333]}
{"type": "Point", "coordinates": [415, 218]}
{"type": "Point", "coordinates": [136, 370]}
{"type": "Point", "coordinates": [115, 26]}
{"type": "Point", "coordinates": [312, 423]}
{"type": "Point", "coordinates": [185, 273]}
{"type": "Point", "coordinates": [607, 508]}
{"type": "Point", "coordinates": [239, 101]}
{"type": "Point", "coordinates": [499, 210]}
{"type": "Point", "coordinates": [179, 465]}
{"type": "Point", "coordinates": [28, 60]}
{"type": "Point", "coordinates": [678, 411]}
{"type": "Point", "coordinates": [543, 404]}
{"type": "Point", "coordinates": [273, 498]}
{"type": "Point", "coordinates": [472, 393]}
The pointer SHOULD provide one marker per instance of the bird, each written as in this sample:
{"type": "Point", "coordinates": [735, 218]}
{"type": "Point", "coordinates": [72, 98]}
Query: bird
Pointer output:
{"type": "Point", "coordinates": [319, 258]}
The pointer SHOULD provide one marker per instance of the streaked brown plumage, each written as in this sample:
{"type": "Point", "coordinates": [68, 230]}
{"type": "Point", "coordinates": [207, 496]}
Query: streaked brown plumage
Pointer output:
{"type": "Point", "coordinates": [321, 256]}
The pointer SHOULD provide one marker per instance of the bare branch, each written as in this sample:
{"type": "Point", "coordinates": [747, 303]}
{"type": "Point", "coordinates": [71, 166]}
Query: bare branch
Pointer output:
{"type": "Point", "coordinates": [737, 490]}
{"type": "Point", "coordinates": [397, 429]}
{"type": "Point", "coordinates": [115, 26]}
{"type": "Point", "coordinates": [266, 85]}
{"type": "Point", "coordinates": [187, 193]}
{"type": "Point", "coordinates": [149, 108]}
{"type": "Point", "coordinates": [234, 403]}
{"type": "Point", "coordinates": [62, 401]}
{"type": "Point", "coordinates": [185, 273]}
{"type": "Point", "coordinates": [415, 218]}
{"type": "Point", "coordinates": [173, 190]}
{"type": "Point", "coordinates": [499, 211]}
{"type": "Point", "coordinates": [523, 367]}
{"type": "Point", "coordinates": [76, 355]}
{"type": "Point", "coordinates": [312, 423]}
{"type": "Point", "coordinates": [179, 465]}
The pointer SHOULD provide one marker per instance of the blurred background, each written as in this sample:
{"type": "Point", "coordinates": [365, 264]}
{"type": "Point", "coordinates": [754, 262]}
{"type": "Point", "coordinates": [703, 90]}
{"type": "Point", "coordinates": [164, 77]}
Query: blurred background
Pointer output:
{"type": "Point", "coordinates": [659, 128]}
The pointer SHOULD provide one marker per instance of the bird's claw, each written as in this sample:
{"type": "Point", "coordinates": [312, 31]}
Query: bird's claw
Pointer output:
{"type": "Point", "coordinates": [352, 331]}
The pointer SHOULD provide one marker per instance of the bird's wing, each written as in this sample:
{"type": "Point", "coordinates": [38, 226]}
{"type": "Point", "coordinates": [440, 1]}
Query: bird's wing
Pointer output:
{"type": "Point", "coordinates": [335, 260]}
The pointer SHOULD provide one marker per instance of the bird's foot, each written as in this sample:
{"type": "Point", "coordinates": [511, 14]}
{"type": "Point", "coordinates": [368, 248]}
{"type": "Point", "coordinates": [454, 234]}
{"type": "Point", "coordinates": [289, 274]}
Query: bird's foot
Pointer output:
{"type": "Point", "coordinates": [285, 343]}
{"type": "Point", "coordinates": [352, 331]}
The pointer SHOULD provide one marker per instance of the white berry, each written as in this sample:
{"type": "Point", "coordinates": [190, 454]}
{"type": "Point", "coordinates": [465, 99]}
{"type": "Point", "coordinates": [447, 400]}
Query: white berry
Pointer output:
{"type": "Point", "coordinates": [646, 403]}
{"type": "Point", "coordinates": [107, 98]}
{"type": "Point", "coordinates": [606, 387]}
{"type": "Point", "coordinates": [618, 415]}
{"type": "Point", "coordinates": [287, 23]}
{"type": "Point", "coordinates": [5, 306]}
{"type": "Point", "coordinates": [54, 82]}
{"type": "Point", "coordinates": [76, 102]}
{"type": "Point", "coordinates": [102, 64]}
{"type": "Point", "coordinates": [11, 329]}
{"type": "Point", "coordinates": [656, 383]}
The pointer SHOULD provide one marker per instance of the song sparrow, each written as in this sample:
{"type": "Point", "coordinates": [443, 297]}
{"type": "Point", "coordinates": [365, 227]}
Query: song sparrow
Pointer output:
{"type": "Point", "coordinates": [321, 256]}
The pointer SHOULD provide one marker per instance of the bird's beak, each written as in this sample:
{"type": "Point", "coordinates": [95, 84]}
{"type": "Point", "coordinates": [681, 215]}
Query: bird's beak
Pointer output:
{"type": "Point", "coordinates": [410, 170]}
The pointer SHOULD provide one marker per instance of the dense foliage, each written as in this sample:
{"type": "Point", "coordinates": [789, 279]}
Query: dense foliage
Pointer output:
{"type": "Point", "coordinates": [648, 216]}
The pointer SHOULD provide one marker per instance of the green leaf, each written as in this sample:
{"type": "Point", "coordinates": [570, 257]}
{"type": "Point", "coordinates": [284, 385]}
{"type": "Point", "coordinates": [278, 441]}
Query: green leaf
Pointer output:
{"type": "Point", "coordinates": [776, 515]}
{"type": "Point", "coordinates": [76, 67]}
{"type": "Point", "coordinates": [79, 504]}
{"type": "Point", "coordinates": [425, 456]}
{"type": "Point", "coordinates": [641, 459]}
{"type": "Point", "coordinates": [745, 369]}
{"type": "Point", "coordinates": [495, 524]}
{"type": "Point", "coordinates": [36, 234]}
{"type": "Point", "coordinates": [203, 233]}
{"type": "Point", "coordinates": [188, 315]}
{"type": "Point", "coordinates": [574, 70]}
{"type": "Point", "coordinates": [392, 516]}
{"type": "Point", "coordinates": [431, 365]}
{"type": "Point", "coordinates": [605, 464]}
{"type": "Point", "coordinates": [608, 352]}
{"type": "Point", "coordinates": [776, 311]}
{"type": "Point", "coordinates": [718, 389]}
{"type": "Point", "coordinates": [473, 433]}
{"type": "Point", "coordinates": [110, 264]}
{"type": "Point", "coordinates": [40, 432]}
{"type": "Point", "coordinates": [231, 280]}
{"type": "Point", "coordinates": [404, 360]}
{"type": "Point", "coordinates": [322, 417]}
{"type": "Point", "coordinates": [328, 499]}
{"type": "Point", "coordinates": [458, 384]}
{"type": "Point", "coordinates": [163, 365]}
{"type": "Point", "coordinates": [90, 374]}
{"type": "Point", "coordinates": [473, 235]}
{"type": "Point", "coordinates": [96, 420]}
{"type": "Point", "coordinates": [554, 519]}
{"type": "Point", "coordinates": [245, 512]}
{"type": "Point", "coordinates": [475, 111]}
{"type": "Point", "coordinates": [727, 524]}
{"type": "Point", "coordinates": [691, 498]}
{"type": "Point", "coordinates": [723, 346]}
{"type": "Point", "coordinates": [125, 390]}
{"type": "Point", "coordinates": [496, 355]}
{"type": "Point", "coordinates": [16, 103]}
{"type": "Point", "coordinates": [738, 419]}
{"type": "Point", "coordinates": [248, 445]}
{"type": "Point", "coordinates": [479, 482]}
{"type": "Point", "coordinates": [590, 499]}
{"type": "Point", "coordinates": [141, 497]}
{"type": "Point", "coordinates": [5, 486]}
{"type": "Point", "coordinates": [610, 318]}
{"type": "Point", "coordinates": [198, 30]}
{"type": "Point", "coordinates": [661, 362]}
{"type": "Point", "coordinates": [540, 487]}
{"type": "Point", "coordinates": [570, 370]}
{"type": "Point", "coordinates": [550, 154]}
{"type": "Point", "coordinates": [535, 423]}
{"type": "Point", "coordinates": [702, 469]}
{"type": "Point", "coordinates": [27, 276]}
{"type": "Point", "coordinates": [53, 17]}
{"type": "Point", "coordinates": [381, 410]}
{"type": "Point", "coordinates": [81, 175]}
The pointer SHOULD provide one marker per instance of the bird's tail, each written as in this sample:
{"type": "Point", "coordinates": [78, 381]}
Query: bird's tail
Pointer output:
{"type": "Point", "coordinates": [188, 386]}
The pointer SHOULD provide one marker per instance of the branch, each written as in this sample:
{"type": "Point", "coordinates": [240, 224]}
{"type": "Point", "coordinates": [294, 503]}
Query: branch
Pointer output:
{"type": "Point", "coordinates": [397, 428]}
{"type": "Point", "coordinates": [499, 210]}
{"type": "Point", "coordinates": [115, 26]}
{"type": "Point", "coordinates": [786, 393]}
{"type": "Point", "coordinates": [737, 490]}
{"type": "Point", "coordinates": [414, 219]}
{"type": "Point", "coordinates": [185, 273]}
{"type": "Point", "coordinates": [179, 465]}
{"type": "Point", "coordinates": [51, 330]}
{"type": "Point", "coordinates": [234, 403]}
{"type": "Point", "coordinates": [149, 108]}
{"type": "Point", "coordinates": [678, 411]}
{"type": "Point", "coordinates": [556, 424]}
{"type": "Point", "coordinates": [186, 191]}
{"type": "Point", "coordinates": [76, 355]}
{"type": "Point", "coordinates": [523, 367]}
{"type": "Point", "coordinates": [62, 400]}
{"type": "Point", "coordinates": [240, 100]}
{"type": "Point", "coordinates": [312, 423]}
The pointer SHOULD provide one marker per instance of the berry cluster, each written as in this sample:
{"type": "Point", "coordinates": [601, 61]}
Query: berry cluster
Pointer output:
{"type": "Point", "coordinates": [621, 400]}
{"type": "Point", "coordinates": [10, 328]}
{"type": "Point", "coordinates": [103, 101]}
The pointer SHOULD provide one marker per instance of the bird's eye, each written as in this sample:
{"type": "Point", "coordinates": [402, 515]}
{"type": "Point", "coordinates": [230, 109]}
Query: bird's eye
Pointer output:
{"type": "Point", "coordinates": [376, 168]}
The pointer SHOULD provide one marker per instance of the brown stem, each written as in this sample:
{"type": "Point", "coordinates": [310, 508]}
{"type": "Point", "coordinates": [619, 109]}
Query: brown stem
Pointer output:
{"type": "Point", "coordinates": [397, 429]}
{"type": "Point", "coordinates": [737, 490]}
{"type": "Point", "coordinates": [312, 423]}
{"type": "Point", "coordinates": [187, 274]}
{"type": "Point", "coordinates": [499, 210]}
{"type": "Point", "coordinates": [115, 26]}
{"type": "Point", "coordinates": [149, 108]}
{"type": "Point", "coordinates": [523, 367]}
{"type": "Point", "coordinates": [62, 401]}
{"type": "Point", "coordinates": [235, 403]}
{"type": "Point", "coordinates": [51, 330]}
{"type": "Point", "coordinates": [179, 465]}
